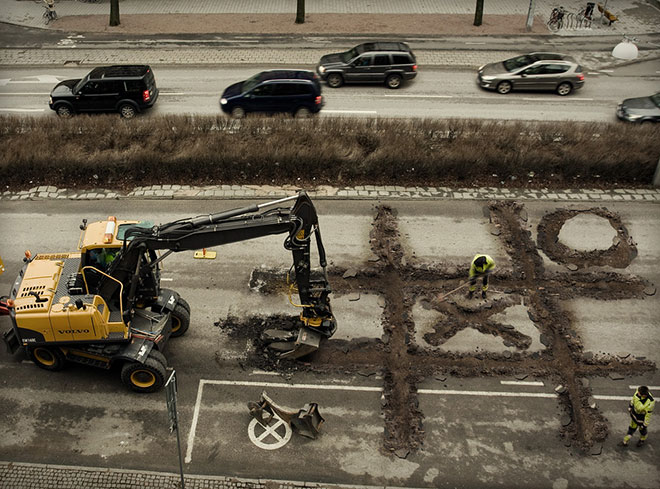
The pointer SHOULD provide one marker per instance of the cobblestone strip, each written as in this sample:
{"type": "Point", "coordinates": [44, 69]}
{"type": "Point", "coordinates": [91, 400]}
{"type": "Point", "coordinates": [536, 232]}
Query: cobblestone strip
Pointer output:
{"type": "Point", "coordinates": [210, 56]}
{"type": "Point", "coordinates": [39, 476]}
{"type": "Point", "coordinates": [359, 192]}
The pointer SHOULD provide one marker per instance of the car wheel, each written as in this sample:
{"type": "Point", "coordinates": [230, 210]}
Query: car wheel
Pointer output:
{"type": "Point", "coordinates": [238, 112]}
{"type": "Point", "coordinates": [393, 81]}
{"type": "Point", "coordinates": [335, 80]}
{"type": "Point", "coordinates": [303, 113]}
{"type": "Point", "coordinates": [564, 89]}
{"type": "Point", "coordinates": [47, 358]}
{"type": "Point", "coordinates": [64, 111]}
{"type": "Point", "coordinates": [504, 87]}
{"type": "Point", "coordinates": [127, 111]}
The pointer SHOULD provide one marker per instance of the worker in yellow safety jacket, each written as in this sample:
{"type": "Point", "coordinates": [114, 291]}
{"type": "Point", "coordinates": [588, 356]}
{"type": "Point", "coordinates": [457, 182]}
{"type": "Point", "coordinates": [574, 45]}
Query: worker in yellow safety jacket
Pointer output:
{"type": "Point", "coordinates": [481, 266]}
{"type": "Point", "coordinates": [640, 409]}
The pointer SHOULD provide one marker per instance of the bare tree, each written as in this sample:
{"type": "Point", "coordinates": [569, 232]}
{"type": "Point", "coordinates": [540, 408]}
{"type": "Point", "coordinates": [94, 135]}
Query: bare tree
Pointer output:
{"type": "Point", "coordinates": [479, 12]}
{"type": "Point", "coordinates": [300, 12]}
{"type": "Point", "coordinates": [114, 12]}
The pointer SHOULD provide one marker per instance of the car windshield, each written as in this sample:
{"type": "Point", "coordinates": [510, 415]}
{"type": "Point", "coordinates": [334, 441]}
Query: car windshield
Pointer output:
{"type": "Point", "coordinates": [514, 64]}
{"type": "Point", "coordinates": [251, 82]}
{"type": "Point", "coordinates": [349, 55]}
{"type": "Point", "coordinates": [656, 99]}
{"type": "Point", "coordinates": [80, 84]}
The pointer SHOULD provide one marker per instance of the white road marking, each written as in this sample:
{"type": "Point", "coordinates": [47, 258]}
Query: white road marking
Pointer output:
{"type": "Point", "coordinates": [651, 387]}
{"type": "Point", "coordinates": [263, 372]}
{"type": "Point", "coordinates": [592, 73]}
{"type": "Point", "coordinates": [544, 99]}
{"type": "Point", "coordinates": [448, 392]}
{"type": "Point", "coordinates": [50, 79]}
{"type": "Point", "coordinates": [607, 71]}
{"type": "Point", "coordinates": [520, 382]}
{"type": "Point", "coordinates": [441, 392]}
{"type": "Point", "coordinates": [193, 426]}
{"type": "Point", "coordinates": [419, 96]}
{"type": "Point", "coordinates": [25, 93]}
{"type": "Point", "coordinates": [270, 430]}
{"type": "Point", "coordinates": [163, 279]}
{"type": "Point", "coordinates": [21, 110]}
{"type": "Point", "coordinates": [475, 43]}
{"type": "Point", "coordinates": [349, 111]}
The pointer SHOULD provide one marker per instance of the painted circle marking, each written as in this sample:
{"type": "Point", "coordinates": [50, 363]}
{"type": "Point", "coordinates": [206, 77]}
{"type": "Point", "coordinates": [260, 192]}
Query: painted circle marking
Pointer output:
{"type": "Point", "coordinates": [268, 433]}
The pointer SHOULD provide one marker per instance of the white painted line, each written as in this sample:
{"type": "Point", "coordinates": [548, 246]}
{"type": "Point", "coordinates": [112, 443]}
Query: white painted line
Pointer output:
{"type": "Point", "coordinates": [486, 393]}
{"type": "Point", "coordinates": [612, 398]}
{"type": "Point", "coordinates": [475, 43]}
{"type": "Point", "coordinates": [607, 71]}
{"type": "Point", "coordinates": [193, 426]}
{"type": "Point", "coordinates": [520, 382]}
{"type": "Point", "coordinates": [263, 372]}
{"type": "Point", "coordinates": [651, 387]}
{"type": "Point", "coordinates": [325, 111]}
{"type": "Point", "coordinates": [419, 96]}
{"type": "Point", "coordinates": [21, 110]}
{"type": "Point", "coordinates": [163, 279]}
{"type": "Point", "coordinates": [284, 385]}
{"type": "Point", "coordinates": [25, 93]}
{"type": "Point", "coordinates": [539, 99]}
{"type": "Point", "coordinates": [592, 73]}
{"type": "Point", "coordinates": [175, 93]}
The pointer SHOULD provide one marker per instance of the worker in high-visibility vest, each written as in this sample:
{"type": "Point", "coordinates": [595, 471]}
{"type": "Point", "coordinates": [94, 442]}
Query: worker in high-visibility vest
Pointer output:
{"type": "Point", "coordinates": [640, 409]}
{"type": "Point", "coordinates": [481, 266]}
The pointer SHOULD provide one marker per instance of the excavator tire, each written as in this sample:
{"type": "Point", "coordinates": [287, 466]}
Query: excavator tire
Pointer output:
{"type": "Point", "coordinates": [185, 304]}
{"type": "Point", "coordinates": [158, 356]}
{"type": "Point", "coordinates": [144, 377]}
{"type": "Point", "coordinates": [46, 357]}
{"type": "Point", "coordinates": [180, 320]}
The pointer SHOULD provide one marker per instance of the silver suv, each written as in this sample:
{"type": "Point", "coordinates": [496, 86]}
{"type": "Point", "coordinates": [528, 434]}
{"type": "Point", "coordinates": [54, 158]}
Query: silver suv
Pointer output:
{"type": "Point", "coordinates": [534, 71]}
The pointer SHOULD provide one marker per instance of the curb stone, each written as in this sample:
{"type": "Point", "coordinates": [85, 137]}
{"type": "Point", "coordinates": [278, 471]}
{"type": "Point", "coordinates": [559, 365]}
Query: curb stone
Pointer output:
{"type": "Point", "coordinates": [366, 192]}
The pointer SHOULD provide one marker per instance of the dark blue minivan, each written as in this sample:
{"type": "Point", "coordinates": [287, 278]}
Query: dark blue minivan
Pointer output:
{"type": "Point", "coordinates": [296, 92]}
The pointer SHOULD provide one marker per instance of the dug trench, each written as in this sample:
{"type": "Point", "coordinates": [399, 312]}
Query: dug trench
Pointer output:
{"type": "Point", "coordinates": [402, 280]}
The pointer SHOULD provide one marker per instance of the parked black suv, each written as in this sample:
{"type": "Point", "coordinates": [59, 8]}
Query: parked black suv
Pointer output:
{"type": "Point", "coordinates": [127, 89]}
{"type": "Point", "coordinates": [297, 92]}
{"type": "Point", "coordinates": [389, 62]}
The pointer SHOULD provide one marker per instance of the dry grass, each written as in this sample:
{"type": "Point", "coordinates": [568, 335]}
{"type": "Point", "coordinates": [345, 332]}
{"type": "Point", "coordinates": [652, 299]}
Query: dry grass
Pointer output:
{"type": "Point", "coordinates": [105, 151]}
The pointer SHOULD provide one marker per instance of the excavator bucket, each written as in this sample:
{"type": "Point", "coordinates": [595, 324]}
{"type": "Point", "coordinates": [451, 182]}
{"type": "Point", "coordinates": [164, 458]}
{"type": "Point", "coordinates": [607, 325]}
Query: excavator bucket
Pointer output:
{"type": "Point", "coordinates": [307, 342]}
{"type": "Point", "coordinates": [308, 421]}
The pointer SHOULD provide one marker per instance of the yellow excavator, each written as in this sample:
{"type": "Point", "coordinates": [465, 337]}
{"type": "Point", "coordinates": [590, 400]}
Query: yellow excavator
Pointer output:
{"type": "Point", "coordinates": [103, 304]}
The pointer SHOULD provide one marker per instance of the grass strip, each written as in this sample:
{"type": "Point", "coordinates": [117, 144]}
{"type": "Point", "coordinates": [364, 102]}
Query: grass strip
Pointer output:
{"type": "Point", "coordinates": [109, 152]}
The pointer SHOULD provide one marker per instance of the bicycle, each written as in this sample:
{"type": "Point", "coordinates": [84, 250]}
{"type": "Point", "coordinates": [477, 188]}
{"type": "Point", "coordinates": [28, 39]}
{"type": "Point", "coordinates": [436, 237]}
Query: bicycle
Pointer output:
{"type": "Point", "coordinates": [49, 13]}
{"type": "Point", "coordinates": [556, 18]}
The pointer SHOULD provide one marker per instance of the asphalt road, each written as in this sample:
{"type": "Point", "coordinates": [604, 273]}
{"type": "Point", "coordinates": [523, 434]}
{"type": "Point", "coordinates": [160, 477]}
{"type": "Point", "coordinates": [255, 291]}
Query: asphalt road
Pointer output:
{"type": "Point", "coordinates": [436, 93]}
{"type": "Point", "coordinates": [498, 431]}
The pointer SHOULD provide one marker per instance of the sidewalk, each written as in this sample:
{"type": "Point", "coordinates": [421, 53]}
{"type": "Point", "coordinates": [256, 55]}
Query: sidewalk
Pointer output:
{"type": "Point", "coordinates": [413, 17]}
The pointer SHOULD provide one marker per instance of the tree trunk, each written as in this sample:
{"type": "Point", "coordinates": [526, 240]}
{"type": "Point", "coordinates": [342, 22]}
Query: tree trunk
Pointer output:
{"type": "Point", "coordinates": [114, 12]}
{"type": "Point", "coordinates": [300, 12]}
{"type": "Point", "coordinates": [479, 13]}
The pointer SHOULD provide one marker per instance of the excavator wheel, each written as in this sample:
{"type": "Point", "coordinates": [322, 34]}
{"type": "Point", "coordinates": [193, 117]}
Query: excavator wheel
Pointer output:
{"type": "Point", "coordinates": [185, 304]}
{"type": "Point", "coordinates": [158, 356]}
{"type": "Point", "coordinates": [180, 320]}
{"type": "Point", "coordinates": [48, 358]}
{"type": "Point", "coordinates": [144, 377]}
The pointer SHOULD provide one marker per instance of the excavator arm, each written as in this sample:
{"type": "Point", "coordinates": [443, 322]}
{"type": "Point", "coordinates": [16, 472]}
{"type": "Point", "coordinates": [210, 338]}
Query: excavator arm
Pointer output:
{"type": "Point", "coordinates": [136, 265]}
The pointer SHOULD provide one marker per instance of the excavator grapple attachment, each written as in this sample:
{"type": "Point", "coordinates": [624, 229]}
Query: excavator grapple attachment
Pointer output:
{"type": "Point", "coordinates": [306, 421]}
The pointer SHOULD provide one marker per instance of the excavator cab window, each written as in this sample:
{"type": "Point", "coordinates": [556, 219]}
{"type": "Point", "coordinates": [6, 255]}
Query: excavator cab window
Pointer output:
{"type": "Point", "coordinates": [101, 258]}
